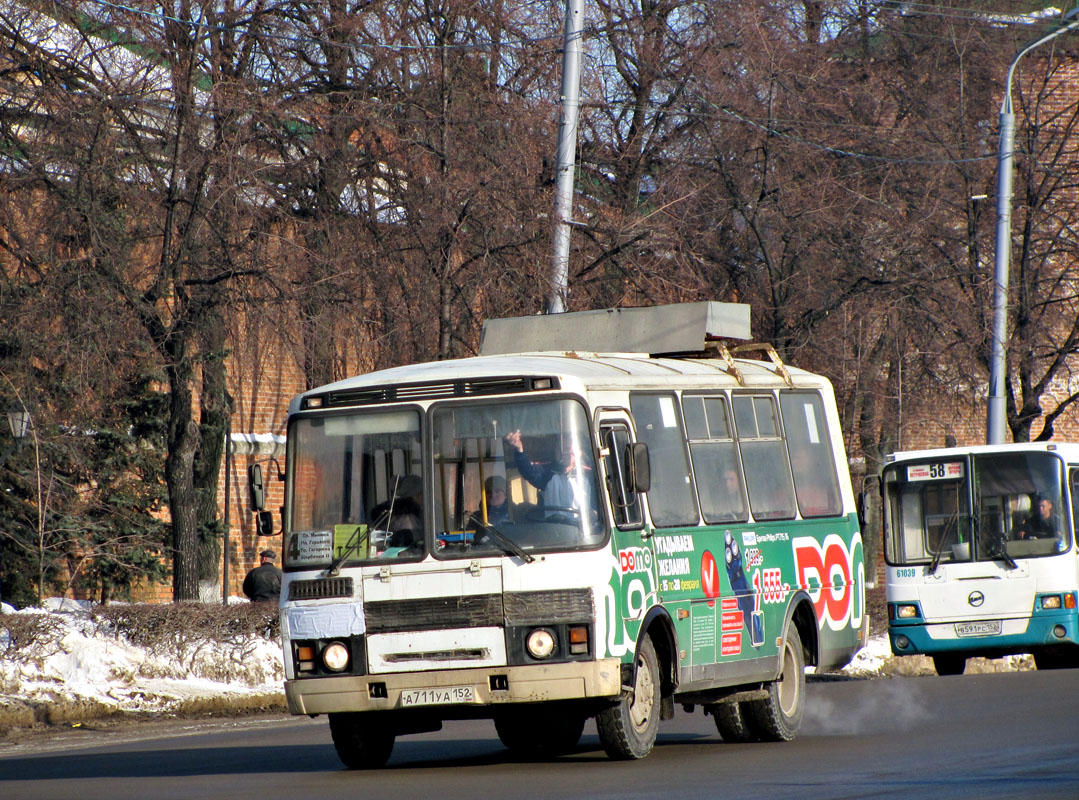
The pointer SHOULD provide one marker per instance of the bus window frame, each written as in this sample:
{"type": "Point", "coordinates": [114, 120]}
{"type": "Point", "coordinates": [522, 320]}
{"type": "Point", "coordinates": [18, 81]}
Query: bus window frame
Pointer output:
{"type": "Point", "coordinates": [607, 422]}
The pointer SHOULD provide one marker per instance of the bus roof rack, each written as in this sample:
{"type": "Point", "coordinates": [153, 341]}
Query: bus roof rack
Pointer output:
{"type": "Point", "coordinates": [667, 329]}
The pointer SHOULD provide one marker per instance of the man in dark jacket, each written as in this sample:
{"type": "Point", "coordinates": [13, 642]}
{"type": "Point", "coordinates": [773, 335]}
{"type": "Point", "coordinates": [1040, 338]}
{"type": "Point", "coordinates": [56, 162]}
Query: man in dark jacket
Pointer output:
{"type": "Point", "coordinates": [263, 583]}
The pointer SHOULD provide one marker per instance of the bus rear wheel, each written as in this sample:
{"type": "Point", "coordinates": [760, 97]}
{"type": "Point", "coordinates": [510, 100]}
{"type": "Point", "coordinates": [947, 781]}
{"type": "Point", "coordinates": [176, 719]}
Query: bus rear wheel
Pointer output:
{"type": "Point", "coordinates": [628, 729]}
{"type": "Point", "coordinates": [731, 722]}
{"type": "Point", "coordinates": [949, 664]}
{"type": "Point", "coordinates": [537, 733]}
{"type": "Point", "coordinates": [777, 717]}
{"type": "Point", "coordinates": [360, 746]}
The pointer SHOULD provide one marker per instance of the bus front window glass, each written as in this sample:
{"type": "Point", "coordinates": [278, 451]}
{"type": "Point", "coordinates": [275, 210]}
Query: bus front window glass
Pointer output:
{"type": "Point", "coordinates": [522, 471]}
{"type": "Point", "coordinates": [357, 488]}
{"type": "Point", "coordinates": [715, 459]}
{"type": "Point", "coordinates": [926, 513]}
{"type": "Point", "coordinates": [1020, 505]}
{"type": "Point", "coordinates": [659, 425]}
{"type": "Point", "coordinates": [764, 457]}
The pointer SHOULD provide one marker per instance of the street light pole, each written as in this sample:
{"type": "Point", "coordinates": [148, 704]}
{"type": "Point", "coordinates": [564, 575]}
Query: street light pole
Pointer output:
{"type": "Point", "coordinates": [996, 416]}
{"type": "Point", "coordinates": [558, 293]}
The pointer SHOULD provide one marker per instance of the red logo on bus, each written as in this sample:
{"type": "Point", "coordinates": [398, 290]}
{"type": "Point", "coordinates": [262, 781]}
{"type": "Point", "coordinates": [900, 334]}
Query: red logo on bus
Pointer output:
{"type": "Point", "coordinates": [709, 576]}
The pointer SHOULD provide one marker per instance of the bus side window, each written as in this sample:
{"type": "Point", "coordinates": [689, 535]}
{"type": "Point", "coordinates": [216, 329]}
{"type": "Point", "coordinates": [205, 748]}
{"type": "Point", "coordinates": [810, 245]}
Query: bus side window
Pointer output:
{"type": "Point", "coordinates": [764, 457]}
{"type": "Point", "coordinates": [809, 444]}
{"type": "Point", "coordinates": [624, 499]}
{"type": "Point", "coordinates": [671, 498]}
{"type": "Point", "coordinates": [716, 467]}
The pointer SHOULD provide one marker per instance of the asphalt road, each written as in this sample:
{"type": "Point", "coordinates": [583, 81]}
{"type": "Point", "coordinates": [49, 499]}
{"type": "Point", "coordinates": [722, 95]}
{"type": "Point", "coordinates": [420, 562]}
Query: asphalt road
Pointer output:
{"type": "Point", "coordinates": [980, 736]}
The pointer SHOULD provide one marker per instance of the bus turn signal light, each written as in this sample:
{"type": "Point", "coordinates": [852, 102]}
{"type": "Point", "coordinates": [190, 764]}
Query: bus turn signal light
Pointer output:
{"type": "Point", "coordinates": [578, 640]}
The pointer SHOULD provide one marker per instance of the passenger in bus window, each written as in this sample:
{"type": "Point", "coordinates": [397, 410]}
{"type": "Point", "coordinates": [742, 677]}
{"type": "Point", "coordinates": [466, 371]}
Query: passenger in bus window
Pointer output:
{"type": "Point", "coordinates": [559, 480]}
{"type": "Point", "coordinates": [1040, 524]}
{"type": "Point", "coordinates": [402, 514]}
{"type": "Point", "coordinates": [498, 505]}
{"type": "Point", "coordinates": [732, 503]}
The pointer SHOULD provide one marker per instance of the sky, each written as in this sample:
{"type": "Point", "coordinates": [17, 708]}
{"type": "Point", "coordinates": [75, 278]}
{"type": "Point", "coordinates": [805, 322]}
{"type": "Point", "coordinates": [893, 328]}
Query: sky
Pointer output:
{"type": "Point", "coordinates": [120, 676]}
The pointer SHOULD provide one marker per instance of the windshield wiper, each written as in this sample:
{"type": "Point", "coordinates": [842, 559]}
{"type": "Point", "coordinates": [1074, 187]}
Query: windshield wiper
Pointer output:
{"type": "Point", "coordinates": [504, 543]}
{"type": "Point", "coordinates": [998, 550]}
{"type": "Point", "coordinates": [951, 525]}
{"type": "Point", "coordinates": [351, 547]}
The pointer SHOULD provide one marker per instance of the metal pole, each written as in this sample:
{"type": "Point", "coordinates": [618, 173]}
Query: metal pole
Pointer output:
{"type": "Point", "coordinates": [996, 416]}
{"type": "Point", "coordinates": [567, 151]}
{"type": "Point", "coordinates": [227, 522]}
{"type": "Point", "coordinates": [996, 412]}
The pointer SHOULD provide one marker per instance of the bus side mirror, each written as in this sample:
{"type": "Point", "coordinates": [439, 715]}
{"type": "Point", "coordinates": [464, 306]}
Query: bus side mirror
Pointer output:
{"type": "Point", "coordinates": [640, 471]}
{"type": "Point", "coordinates": [865, 497]}
{"type": "Point", "coordinates": [264, 523]}
{"type": "Point", "coordinates": [257, 489]}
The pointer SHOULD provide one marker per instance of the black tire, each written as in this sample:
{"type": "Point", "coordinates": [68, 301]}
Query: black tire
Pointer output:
{"type": "Point", "coordinates": [1054, 658]}
{"type": "Point", "coordinates": [538, 734]}
{"type": "Point", "coordinates": [360, 746]}
{"type": "Point", "coordinates": [628, 729]}
{"type": "Point", "coordinates": [731, 722]}
{"type": "Point", "coordinates": [949, 664]}
{"type": "Point", "coordinates": [778, 717]}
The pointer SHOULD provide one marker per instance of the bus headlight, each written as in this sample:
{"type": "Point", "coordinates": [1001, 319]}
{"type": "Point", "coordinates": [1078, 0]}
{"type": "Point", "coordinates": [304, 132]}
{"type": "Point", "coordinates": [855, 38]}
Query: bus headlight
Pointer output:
{"type": "Point", "coordinates": [335, 657]}
{"type": "Point", "coordinates": [540, 643]}
{"type": "Point", "coordinates": [1050, 601]}
{"type": "Point", "coordinates": [906, 611]}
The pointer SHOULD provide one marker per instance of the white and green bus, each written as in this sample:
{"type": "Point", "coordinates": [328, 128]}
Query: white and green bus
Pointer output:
{"type": "Point", "coordinates": [980, 550]}
{"type": "Point", "coordinates": [603, 515]}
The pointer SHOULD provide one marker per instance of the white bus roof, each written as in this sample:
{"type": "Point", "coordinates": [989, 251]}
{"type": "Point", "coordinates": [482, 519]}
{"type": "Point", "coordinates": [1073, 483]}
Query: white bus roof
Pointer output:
{"type": "Point", "coordinates": [576, 371]}
{"type": "Point", "coordinates": [1068, 450]}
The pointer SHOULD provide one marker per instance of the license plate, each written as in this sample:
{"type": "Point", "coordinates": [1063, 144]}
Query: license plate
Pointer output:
{"type": "Point", "coordinates": [440, 696]}
{"type": "Point", "coordinates": [987, 628]}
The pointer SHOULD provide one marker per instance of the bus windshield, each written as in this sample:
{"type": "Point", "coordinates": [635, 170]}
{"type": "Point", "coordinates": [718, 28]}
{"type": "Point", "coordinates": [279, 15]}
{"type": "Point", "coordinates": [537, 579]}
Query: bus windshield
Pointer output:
{"type": "Point", "coordinates": [356, 488]}
{"type": "Point", "coordinates": [985, 507]}
{"type": "Point", "coordinates": [518, 471]}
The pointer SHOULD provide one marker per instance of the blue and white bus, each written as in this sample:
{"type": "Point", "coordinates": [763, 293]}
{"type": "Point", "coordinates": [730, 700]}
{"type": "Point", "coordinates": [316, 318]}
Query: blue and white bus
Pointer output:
{"type": "Point", "coordinates": [980, 550]}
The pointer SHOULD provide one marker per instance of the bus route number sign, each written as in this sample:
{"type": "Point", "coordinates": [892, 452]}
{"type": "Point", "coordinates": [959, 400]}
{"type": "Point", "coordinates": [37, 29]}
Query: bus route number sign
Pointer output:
{"type": "Point", "coordinates": [942, 471]}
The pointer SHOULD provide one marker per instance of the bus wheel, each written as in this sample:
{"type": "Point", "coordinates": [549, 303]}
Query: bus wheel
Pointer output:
{"type": "Point", "coordinates": [357, 745]}
{"type": "Point", "coordinates": [1052, 658]}
{"type": "Point", "coordinates": [778, 717]}
{"type": "Point", "coordinates": [536, 733]}
{"type": "Point", "coordinates": [731, 723]}
{"type": "Point", "coordinates": [949, 664]}
{"type": "Point", "coordinates": [628, 729]}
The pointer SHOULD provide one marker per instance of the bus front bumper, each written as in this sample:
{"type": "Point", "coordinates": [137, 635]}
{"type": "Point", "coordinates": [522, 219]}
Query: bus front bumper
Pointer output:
{"type": "Point", "coordinates": [491, 686]}
{"type": "Point", "coordinates": [1015, 636]}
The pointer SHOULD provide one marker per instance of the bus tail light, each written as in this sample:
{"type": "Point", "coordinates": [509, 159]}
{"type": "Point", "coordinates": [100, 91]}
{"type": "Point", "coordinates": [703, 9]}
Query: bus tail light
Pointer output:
{"type": "Point", "coordinates": [578, 640]}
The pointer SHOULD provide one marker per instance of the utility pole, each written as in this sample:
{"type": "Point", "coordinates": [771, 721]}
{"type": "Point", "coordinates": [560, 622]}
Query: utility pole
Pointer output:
{"type": "Point", "coordinates": [996, 415]}
{"type": "Point", "coordinates": [558, 295]}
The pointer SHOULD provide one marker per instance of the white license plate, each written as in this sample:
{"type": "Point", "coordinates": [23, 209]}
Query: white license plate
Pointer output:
{"type": "Point", "coordinates": [987, 628]}
{"type": "Point", "coordinates": [441, 696]}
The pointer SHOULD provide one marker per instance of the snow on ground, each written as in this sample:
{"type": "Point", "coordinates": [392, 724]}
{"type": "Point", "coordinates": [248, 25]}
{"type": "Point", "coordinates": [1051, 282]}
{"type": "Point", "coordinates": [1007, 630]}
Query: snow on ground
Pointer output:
{"type": "Point", "coordinates": [115, 675]}
{"type": "Point", "coordinates": [110, 674]}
